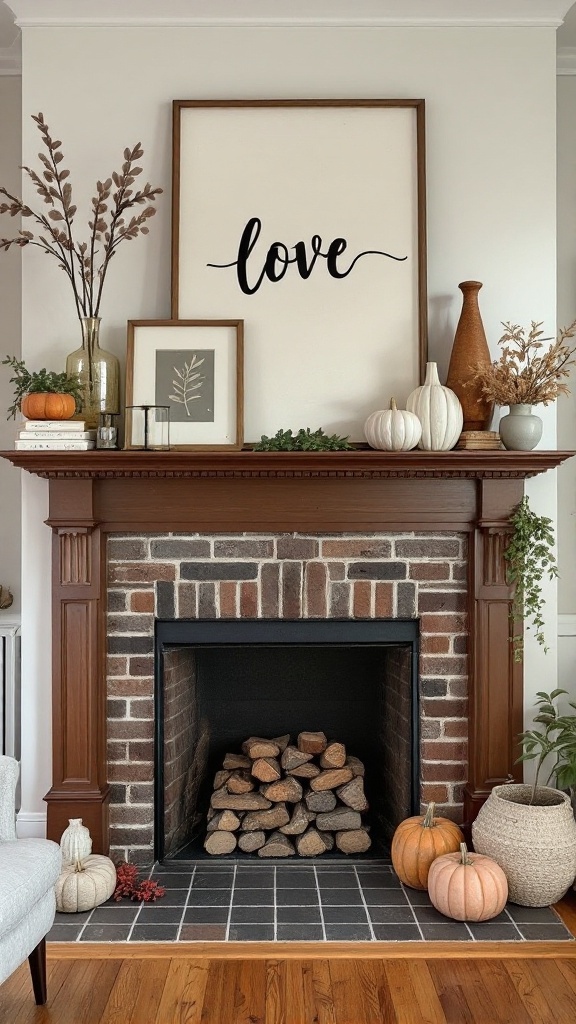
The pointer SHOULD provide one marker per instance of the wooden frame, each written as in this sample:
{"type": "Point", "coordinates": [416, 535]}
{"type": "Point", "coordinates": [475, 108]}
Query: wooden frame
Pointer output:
{"type": "Point", "coordinates": [307, 218]}
{"type": "Point", "coordinates": [195, 361]}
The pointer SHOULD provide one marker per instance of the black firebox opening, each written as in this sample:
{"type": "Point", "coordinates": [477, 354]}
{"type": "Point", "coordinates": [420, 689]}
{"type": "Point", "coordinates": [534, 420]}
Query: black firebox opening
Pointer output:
{"type": "Point", "coordinates": [217, 682]}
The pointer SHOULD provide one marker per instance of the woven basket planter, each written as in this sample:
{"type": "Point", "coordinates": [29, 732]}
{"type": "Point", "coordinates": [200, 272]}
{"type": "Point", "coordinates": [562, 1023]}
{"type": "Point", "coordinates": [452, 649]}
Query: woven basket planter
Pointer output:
{"type": "Point", "coordinates": [535, 845]}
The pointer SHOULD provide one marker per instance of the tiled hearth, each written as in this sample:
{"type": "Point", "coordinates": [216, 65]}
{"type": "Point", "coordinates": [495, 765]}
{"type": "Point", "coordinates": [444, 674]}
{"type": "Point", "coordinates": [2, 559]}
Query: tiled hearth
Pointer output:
{"type": "Point", "coordinates": [351, 901]}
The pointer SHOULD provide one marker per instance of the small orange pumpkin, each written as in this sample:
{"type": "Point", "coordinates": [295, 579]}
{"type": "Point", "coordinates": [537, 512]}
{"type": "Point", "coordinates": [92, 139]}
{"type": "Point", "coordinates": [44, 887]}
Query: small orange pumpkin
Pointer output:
{"type": "Point", "coordinates": [47, 405]}
{"type": "Point", "coordinates": [467, 886]}
{"type": "Point", "coordinates": [418, 841]}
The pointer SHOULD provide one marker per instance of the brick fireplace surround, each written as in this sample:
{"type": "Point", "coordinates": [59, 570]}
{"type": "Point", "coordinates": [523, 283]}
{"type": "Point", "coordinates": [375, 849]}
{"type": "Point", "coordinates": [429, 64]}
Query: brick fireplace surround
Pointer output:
{"type": "Point", "coordinates": [242, 535]}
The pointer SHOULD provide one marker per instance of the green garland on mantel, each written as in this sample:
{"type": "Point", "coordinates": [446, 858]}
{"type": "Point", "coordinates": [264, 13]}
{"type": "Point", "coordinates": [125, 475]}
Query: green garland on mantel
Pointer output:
{"type": "Point", "coordinates": [305, 440]}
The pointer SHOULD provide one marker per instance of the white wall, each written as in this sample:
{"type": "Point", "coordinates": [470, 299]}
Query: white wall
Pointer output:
{"type": "Point", "coordinates": [10, 339]}
{"type": "Point", "coordinates": [490, 97]}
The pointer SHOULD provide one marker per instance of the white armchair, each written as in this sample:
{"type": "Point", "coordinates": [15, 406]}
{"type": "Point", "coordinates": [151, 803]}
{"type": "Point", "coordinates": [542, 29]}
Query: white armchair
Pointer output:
{"type": "Point", "coordinates": [29, 869]}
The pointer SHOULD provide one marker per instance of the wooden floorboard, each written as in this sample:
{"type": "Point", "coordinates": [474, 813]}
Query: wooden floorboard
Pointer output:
{"type": "Point", "coordinates": [280, 991]}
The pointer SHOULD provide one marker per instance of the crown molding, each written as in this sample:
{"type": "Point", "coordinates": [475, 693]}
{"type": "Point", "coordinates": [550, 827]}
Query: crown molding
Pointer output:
{"type": "Point", "coordinates": [11, 59]}
{"type": "Point", "coordinates": [290, 13]}
{"type": "Point", "coordinates": [566, 60]}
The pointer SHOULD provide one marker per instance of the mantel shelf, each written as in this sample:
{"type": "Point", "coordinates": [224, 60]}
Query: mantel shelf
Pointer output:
{"type": "Point", "coordinates": [243, 464]}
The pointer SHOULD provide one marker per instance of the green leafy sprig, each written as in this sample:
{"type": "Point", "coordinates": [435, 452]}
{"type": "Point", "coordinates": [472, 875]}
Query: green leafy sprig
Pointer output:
{"type": "Point", "coordinates": [557, 738]}
{"type": "Point", "coordinates": [529, 557]}
{"type": "Point", "coordinates": [305, 440]}
{"type": "Point", "coordinates": [26, 383]}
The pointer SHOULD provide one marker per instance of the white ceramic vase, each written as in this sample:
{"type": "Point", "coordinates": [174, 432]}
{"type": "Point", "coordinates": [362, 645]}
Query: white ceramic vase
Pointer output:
{"type": "Point", "coordinates": [439, 411]}
{"type": "Point", "coordinates": [520, 429]}
{"type": "Point", "coordinates": [76, 842]}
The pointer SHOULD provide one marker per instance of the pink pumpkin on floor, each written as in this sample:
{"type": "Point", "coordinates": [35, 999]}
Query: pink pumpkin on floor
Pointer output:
{"type": "Point", "coordinates": [467, 886]}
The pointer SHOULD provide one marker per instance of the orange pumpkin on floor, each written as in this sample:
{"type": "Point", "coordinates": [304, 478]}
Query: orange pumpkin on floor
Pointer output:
{"type": "Point", "coordinates": [467, 886]}
{"type": "Point", "coordinates": [418, 841]}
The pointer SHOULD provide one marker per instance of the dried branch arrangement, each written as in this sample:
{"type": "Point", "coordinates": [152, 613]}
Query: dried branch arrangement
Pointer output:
{"type": "Point", "coordinates": [84, 263]}
{"type": "Point", "coordinates": [524, 374]}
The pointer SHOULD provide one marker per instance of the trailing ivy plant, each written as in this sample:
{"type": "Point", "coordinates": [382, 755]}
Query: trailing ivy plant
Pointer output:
{"type": "Point", "coordinates": [529, 557]}
{"type": "Point", "coordinates": [305, 440]}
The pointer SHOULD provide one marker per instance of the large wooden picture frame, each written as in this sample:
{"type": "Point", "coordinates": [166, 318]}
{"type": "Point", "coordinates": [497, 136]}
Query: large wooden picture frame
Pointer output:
{"type": "Point", "coordinates": [306, 218]}
{"type": "Point", "coordinates": [196, 369]}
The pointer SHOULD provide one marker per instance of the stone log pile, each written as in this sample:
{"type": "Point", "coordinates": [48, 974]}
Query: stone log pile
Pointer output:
{"type": "Point", "coordinates": [281, 799]}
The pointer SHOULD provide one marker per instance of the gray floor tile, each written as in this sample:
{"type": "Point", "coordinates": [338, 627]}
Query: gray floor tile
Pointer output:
{"type": "Point", "coordinates": [251, 933]}
{"type": "Point", "coordinates": [105, 933]}
{"type": "Point", "coordinates": [154, 933]}
{"type": "Point", "coordinates": [251, 878]}
{"type": "Point", "coordinates": [206, 915]}
{"type": "Point", "coordinates": [378, 879]}
{"type": "Point", "coordinates": [253, 897]}
{"type": "Point", "coordinates": [209, 898]}
{"type": "Point", "coordinates": [429, 915]}
{"type": "Point", "coordinates": [119, 914]}
{"type": "Point", "coordinates": [252, 915]}
{"type": "Point", "coordinates": [78, 919]}
{"type": "Point", "coordinates": [417, 897]}
{"type": "Point", "coordinates": [544, 932]}
{"type": "Point", "coordinates": [391, 915]}
{"type": "Point", "coordinates": [64, 932]}
{"type": "Point", "coordinates": [340, 897]}
{"type": "Point", "coordinates": [337, 879]}
{"type": "Point", "coordinates": [297, 915]}
{"type": "Point", "coordinates": [213, 880]}
{"type": "Point", "coordinates": [396, 932]}
{"type": "Point", "coordinates": [348, 933]}
{"type": "Point", "coordinates": [203, 933]}
{"type": "Point", "coordinates": [385, 897]}
{"type": "Point", "coordinates": [289, 878]}
{"type": "Point", "coordinates": [532, 914]}
{"type": "Point", "coordinates": [297, 897]}
{"type": "Point", "coordinates": [496, 931]}
{"type": "Point", "coordinates": [452, 931]}
{"type": "Point", "coordinates": [174, 898]}
{"type": "Point", "coordinates": [299, 933]}
{"type": "Point", "coordinates": [160, 915]}
{"type": "Point", "coordinates": [175, 880]}
{"type": "Point", "coordinates": [344, 915]}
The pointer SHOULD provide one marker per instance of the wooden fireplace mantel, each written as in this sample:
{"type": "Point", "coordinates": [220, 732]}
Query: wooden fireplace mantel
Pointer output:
{"type": "Point", "coordinates": [95, 493]}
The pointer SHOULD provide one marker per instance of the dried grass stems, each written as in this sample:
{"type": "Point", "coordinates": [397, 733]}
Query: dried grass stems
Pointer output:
{"type": "Point", "coordinates": [524, 374]}
{"type": "Point", "coordinates": [85, 263]}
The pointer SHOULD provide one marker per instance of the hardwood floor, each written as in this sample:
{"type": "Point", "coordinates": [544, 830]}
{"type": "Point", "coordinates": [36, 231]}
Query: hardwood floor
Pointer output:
{"type": "Point", "coordinates": [399, 983]}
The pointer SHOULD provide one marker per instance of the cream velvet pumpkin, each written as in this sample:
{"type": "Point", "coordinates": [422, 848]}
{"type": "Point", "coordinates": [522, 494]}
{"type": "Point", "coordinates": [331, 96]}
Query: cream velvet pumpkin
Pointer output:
{"type": "Point", "coordinates": [439, 411]}
{"type": "Point", "coordinates": [467, 886]}
{"type": "Point", "coordinates": [393, 429]}
{"type": "Point", "coordinates": [85, 885]}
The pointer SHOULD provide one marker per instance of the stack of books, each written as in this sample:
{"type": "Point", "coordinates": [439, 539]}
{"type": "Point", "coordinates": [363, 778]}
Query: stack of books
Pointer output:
{"type": "Point", "coordinates": [55, 435]}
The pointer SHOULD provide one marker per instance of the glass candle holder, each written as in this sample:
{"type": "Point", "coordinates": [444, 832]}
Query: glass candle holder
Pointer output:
{"type": "Point", "coordinates": [107, 432]}
{"type": "Point", "coordinates": [148, 427]}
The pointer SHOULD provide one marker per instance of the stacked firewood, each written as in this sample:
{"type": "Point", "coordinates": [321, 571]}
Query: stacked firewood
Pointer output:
{"type": "Point", "coordinates": [281, 799]}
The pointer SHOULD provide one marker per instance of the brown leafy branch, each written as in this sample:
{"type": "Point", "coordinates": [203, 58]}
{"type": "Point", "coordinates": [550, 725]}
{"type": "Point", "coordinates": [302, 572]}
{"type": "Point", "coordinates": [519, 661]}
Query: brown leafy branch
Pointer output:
{"type": "Point", "coordinates": [84, 263]}
{"type": "Point", "coordinates": [525, 374]}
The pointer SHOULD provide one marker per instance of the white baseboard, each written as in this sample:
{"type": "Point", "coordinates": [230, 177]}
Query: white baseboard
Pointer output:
{"type": "Point", "coordinates": [31, 825]}
{"type": "Point", "coordinates": [567, 625]}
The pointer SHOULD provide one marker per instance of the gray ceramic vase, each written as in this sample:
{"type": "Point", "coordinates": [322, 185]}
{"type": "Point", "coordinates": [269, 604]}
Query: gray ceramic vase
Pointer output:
{"type": "Point", "coordinates": [520, 429]}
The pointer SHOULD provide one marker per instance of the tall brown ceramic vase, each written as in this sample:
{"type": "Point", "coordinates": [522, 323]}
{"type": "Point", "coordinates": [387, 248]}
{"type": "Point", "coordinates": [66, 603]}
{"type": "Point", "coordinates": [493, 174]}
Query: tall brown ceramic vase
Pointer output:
{"type": "Point", "coordinates": [470, 349]}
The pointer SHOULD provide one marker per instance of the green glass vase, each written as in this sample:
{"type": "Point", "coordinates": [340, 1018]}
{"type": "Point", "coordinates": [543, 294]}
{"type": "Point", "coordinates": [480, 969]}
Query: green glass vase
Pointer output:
{"type": "Point", "coordinates": [99, 373]}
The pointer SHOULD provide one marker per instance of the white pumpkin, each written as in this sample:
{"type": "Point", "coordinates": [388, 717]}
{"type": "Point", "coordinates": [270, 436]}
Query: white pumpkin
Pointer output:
{"type": "Point", "coordinates": [85, 885]}
{"type": "Point", "coordinates": [439, 411]}
{"type": "Point", "coordinates": [393, 429]}
{"type": "Point", "coordinates": [75, 842]}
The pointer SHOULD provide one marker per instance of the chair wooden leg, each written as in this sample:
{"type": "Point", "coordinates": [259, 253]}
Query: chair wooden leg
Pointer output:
{"type": "Point", "coordinates": [37, 961]}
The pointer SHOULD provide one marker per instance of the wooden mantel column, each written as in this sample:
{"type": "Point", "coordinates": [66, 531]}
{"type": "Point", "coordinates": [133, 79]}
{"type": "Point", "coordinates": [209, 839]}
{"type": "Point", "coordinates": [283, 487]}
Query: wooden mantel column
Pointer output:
{"type": "Point", "coordinates": [79, 787]}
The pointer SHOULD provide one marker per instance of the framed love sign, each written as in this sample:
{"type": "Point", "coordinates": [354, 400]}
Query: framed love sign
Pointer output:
{"type": "Point", "coordinates": [306, 219]}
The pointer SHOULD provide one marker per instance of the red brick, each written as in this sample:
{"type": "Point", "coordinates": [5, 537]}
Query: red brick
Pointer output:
{"type": "Point", "coordinates": [116, 666]}
{"type": "Point", "coordinates": [430, 728]}
{"type": "Point", "coordinates": [316, 580]}
{"type": "Point", "coordinates": [141, 750]}
{"type": "Point", "coordinates": [428, 792]}
{"type": "Point", "coordinates": [429, 570]}
{"type": "Point", "coordinates": [142, 709]}
{"type": "Point", "coordinates": [339, 598]}
{"type": "Point", "coordinates": [117, 751]}
{"type": "Point", "coordinates": [270, 589]}
{"type": "Point", "coordinates": [137, 772]}
{"type": "Point", "coordinates": [207, 599]}
{"type": "Point", "coordinates": [291, 590]}
{"type": "Point", "coordinates": [456, 728]}
{"type": "Point", "coordinates": [444, 707]}
{"type": "Point", "coordinates": [460, 571]}
{"type": "Point", "coordinates": [128, 729]}
{"type": "Point", "coordinates": [443, 623]}
{"type": "Point", "coordinates": [124, 814]}
{"type": "Point", "coordinates": [461, 644]}
{"type": "Point", "coordinates": [130, 687]}
{"type": "Point", "coordinates": [449, 666]}
{"type": "Point", "coordinates": [383, 601]}
{"type": "Point", "coordinates": [453, 811]}
{"type": "Point", "coordinates": [301, 548]}
{"type": "Point", "coordinates": [436, 771]}
{"type": "Point", "coordinates": [141, 794]}
{"type": "Point", "coordinates": [441, 750]}
{"type": "Point", "coordinates": [142, 601]}
{"type": "Point", "coordinates": [367, 547]}
{"type": "Point", "coordinates": [441, 601]}
{"type": "Point", "coordinates": [362, 599]}
{"type": "Point", "coordinates": [336, 570]}
{"type": "Point", "coordinates": [228, 591]}
{"type": "Point", "coordinates": [431, 644]}
{"type": "Point", "coordinates": [187, 600]}
{"type": "Point", "coordinates": [248, 600]}
{"type": "Point", "coordinates": [140, 572]}
{"type": "Point", "coordinates": [120, 834]}
{"type": "Point", "coordinates": [141, 666]}
{"type": "Point", "coordinates": [458, 687]}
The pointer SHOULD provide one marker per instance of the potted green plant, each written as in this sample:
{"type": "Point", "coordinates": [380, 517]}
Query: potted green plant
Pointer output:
{"type": "Point", "coordinates": [43, 394]}
{"type": "Point", "coordinates": [530, 830]}
{"type": "Point", "coordinates": [529, 557]}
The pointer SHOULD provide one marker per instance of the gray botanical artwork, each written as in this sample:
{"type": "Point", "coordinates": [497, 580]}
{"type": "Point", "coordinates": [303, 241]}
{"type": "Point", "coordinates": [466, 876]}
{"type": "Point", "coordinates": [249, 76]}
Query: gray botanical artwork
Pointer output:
{"type": "Point", "coordinates": [185, 382]}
